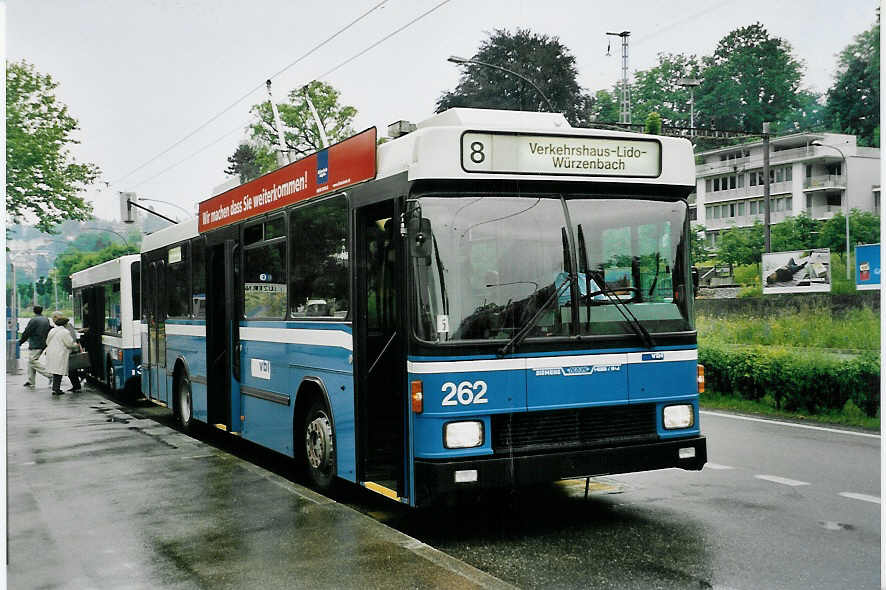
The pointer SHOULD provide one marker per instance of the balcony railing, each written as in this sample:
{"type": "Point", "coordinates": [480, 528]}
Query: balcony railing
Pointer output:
{"type": "Point", "coordinates": [826, 181]}
{"type": "Point", "coordinates": [756, 159]}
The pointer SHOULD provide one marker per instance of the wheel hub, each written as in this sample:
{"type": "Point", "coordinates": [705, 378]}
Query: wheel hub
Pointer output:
{"type": "Point", "coordinates": [318, 436]}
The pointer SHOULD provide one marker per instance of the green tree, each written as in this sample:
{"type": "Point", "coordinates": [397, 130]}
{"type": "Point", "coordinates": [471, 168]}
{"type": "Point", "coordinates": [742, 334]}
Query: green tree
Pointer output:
{"type": "Point", "coordinates": [653, 123]}
{"type": "Point", "coordinates": [603, 107]}
{"type": "Point", "coordinates": [656, 89]}
{"type": "Point", "coordinates": [300, 131]}
{"type": "Point", "coordinates": [854, 99]}
{"type": "Point", "coordinates": [43, 180]}
{"type": "Point", "coordinates": [864, 228]}
{"type": "Point", "coordinates": [742, 245]}
{"type": "Point", "coordinates": [74, 260]}
{"type": "Point", "coordinates": [244, 163]}
{"type": "Point", "coordinates": [810, 114]}
{"type": "Point", "coordinates": [795, 233]}
{"type": "Point", "coordinates": [698, 248]}
{"type": "Point", "coordinates": [750, 78]}
{"type": "Point", "coordinates": [540, 58]}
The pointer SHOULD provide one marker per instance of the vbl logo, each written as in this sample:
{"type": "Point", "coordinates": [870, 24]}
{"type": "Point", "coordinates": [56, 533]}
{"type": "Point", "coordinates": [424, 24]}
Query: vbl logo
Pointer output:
{"type": "Point", "coordinates": [322, 167]}
{"type": "Point", "coordinates": [653, 356]}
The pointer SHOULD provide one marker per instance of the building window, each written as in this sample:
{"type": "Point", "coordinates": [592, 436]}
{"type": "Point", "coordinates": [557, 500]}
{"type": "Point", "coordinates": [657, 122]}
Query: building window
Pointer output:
{"type": "Point", "coordinates": [741, 209]}
{"type": "Point", "coordinates": [779, 175]}
{"type": "Point", "coordinates": [877, 202]}
{"type": "Point", "coordinates": [740, 180]}
{"type": "Point", "coordinates": [788, 204]}
{"type": "Point", "coordinates": [834, 200]}
{"type": "Point", "coordinates": [808, 170]}
{"type": "Point", "coordinates": [732, 181]}
{"type": "Point", "coordinates": [717, 184]}
{"type": "Point", "coordinates": [788, 173]}
{"type": "Point", "coordinates": [707, 185]}
{"type": "Point", "coordinates": [693, 214]}
{"type": "Point", "coordinates": [732, 210]}
{"type": "Point", "coordinates": [808, 202]}
{"type": "Point", "coordinates": [708, 213]}
{"type": "Point", "coordinates": [753, 207]}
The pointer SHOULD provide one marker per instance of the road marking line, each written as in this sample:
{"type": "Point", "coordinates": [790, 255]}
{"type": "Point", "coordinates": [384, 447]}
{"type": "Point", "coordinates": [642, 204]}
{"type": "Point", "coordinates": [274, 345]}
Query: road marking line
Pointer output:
{"type": "Point", "coordinates": [780, 423]}
{"type": "Point", "coordinates": [782, 480]}
{"type": "Point", "coordinates": [865, 497]}
{"type": "Point", "coordinates": [717, 466]}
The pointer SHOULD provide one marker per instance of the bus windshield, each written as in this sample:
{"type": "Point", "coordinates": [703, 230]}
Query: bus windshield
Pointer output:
{"type": "Point", "coordinates": [484, 265]}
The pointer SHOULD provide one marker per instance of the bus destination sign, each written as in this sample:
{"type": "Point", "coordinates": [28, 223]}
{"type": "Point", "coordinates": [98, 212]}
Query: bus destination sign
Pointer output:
{"type": "Point", "coordinates": [512, 153]}
{"type": "Point", "coordinates": [338, 166]}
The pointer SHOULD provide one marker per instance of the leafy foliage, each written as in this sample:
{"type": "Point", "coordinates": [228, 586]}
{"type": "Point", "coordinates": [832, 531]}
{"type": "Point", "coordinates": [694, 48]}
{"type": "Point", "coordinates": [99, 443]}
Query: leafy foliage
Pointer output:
{"type": "Point", "coordinates": [795, 233]}
{"type": "Point", "coordinates": [742, 245]}
{"type": "Point", "coordinates": [540, 58]}
{"type": "Point", "coordinates": [300, 130]}
{"type": "Point", "coordinates": [698, 248]}
{"type": "Point", "coordinates": [656, 89]}
{"type": "Point", "coordinates": [603, 107]}
{"type": "Point", "coordinates": [72, 261]}
{"type": "Point", "coordinates": [811, 381]}
{"type": "Point", "coordinates": [854, 100]}
{"type": "Point", "coordinates": [864, 228]}
{"type": "Point", "coordinates": [809, 115]}
{"type": "Point", "coordinates": [249, 162]}
{"type": "Point", "coordinates": [42, 178]}
{"type": "Point", "coordinates": [750, 78]}
{"type": "Point", "coordinates": [653, 123]}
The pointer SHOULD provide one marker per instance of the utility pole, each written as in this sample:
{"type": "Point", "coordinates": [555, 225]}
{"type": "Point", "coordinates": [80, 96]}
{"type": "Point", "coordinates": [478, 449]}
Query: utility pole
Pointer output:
{"type": "Point", "coordinates": [766, 236]}
{"type": "Point", "coordinates": [625, 111]}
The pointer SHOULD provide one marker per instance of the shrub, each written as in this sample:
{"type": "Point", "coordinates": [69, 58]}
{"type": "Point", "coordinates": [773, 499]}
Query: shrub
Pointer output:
{"type": "Point", "coordinates": [812, 382]}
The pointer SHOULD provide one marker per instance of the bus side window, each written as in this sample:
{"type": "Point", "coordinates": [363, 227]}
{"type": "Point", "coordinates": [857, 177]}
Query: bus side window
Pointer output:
{"type": "Point", "coordinates": [319, 275]}
{"type": "Point", "coordinates": [198, 278]}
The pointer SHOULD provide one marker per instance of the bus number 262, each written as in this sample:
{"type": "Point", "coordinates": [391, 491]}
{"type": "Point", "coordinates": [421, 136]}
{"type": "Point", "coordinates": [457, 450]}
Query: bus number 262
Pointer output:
{"type": "Point", "coordinates": [465, 393]}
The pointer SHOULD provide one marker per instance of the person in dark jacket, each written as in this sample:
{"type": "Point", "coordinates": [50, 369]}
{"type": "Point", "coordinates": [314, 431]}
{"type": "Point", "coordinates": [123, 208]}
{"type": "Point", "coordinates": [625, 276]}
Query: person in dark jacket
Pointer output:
{"type": "Point", "coordinates": [35, 335]}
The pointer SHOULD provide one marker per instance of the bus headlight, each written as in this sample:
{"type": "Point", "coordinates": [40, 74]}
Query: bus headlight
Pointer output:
{"type": "Point", "coordinates": [680, 416]}
{"type": "Point", "coordinates": [463, 435]}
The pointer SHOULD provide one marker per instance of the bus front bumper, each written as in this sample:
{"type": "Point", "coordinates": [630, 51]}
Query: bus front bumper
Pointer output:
{"type": "Point", "coordinates": [436, 477]}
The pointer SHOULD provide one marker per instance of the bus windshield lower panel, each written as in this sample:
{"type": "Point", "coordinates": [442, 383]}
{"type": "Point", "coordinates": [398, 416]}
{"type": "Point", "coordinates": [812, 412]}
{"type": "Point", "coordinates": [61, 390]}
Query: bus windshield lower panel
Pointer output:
{"type": "Point", "coordinates": [483, 265]}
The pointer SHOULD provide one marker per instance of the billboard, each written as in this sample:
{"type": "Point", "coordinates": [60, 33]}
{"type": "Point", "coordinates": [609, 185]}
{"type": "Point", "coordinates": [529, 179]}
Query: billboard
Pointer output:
{"type": "Point", "coordinates": [867, 267]}
{"type": "Point", "coordinates": [340, 165]}
{"type": "Point", "coordinates": [800, 271]}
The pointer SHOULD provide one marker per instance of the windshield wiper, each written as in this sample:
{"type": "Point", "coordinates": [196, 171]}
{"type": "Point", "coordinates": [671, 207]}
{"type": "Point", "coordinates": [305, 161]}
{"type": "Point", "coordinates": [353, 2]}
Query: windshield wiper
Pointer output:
{"type": "Point", "coordinates": [635, 324]}
{"type": "Point", "coordinates": [521, 334]}
{"type": "Point", "coordinates": [515, 341]}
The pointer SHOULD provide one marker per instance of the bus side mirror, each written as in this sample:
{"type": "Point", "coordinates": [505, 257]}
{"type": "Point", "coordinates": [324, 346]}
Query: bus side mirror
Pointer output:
{"type": "Point", "coordinates": [420, 238]}
{"type": "Point", "coordinates": [694, 280]}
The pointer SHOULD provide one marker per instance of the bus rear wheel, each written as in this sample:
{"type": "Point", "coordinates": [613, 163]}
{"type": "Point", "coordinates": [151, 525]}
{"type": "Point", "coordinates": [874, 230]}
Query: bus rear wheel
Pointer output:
{"type": "Point", "coordinates": [319, 445]}
{"type": "Point", "coordinates": [184, 408]}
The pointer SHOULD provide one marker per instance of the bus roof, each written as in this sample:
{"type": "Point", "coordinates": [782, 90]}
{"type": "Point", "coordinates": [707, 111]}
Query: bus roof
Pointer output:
{"type": "Point", "coordinates": [170, 235]}
{"type": "Point", "coordinates": [106, 271]}
{"type": "Point", "coordinates": [437, 149]}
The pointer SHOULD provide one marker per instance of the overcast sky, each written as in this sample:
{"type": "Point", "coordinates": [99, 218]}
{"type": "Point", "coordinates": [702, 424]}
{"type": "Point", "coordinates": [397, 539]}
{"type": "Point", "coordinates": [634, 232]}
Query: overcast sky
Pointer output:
{"type": "Point", "coordinates": [142, 75]}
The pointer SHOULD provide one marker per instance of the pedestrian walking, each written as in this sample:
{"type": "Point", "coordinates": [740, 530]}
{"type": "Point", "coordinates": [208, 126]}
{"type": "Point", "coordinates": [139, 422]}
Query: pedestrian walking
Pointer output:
{"type": "Point", "coordinates": [59, 345]}
{"type": "Point", "coordinates": [73, 374]}
{"type": "Point", "coordinates": [35, 335]}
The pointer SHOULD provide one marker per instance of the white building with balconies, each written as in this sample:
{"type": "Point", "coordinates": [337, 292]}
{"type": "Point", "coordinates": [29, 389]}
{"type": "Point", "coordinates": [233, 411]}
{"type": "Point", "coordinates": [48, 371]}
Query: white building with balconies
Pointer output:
{"type": "Point", "coordinates": [803, 176]}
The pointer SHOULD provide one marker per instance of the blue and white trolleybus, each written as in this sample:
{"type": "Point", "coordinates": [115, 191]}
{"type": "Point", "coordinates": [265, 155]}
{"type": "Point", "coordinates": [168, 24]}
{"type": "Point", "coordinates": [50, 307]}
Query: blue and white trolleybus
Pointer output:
{"type": "Point", "coordinates": [493, 299]}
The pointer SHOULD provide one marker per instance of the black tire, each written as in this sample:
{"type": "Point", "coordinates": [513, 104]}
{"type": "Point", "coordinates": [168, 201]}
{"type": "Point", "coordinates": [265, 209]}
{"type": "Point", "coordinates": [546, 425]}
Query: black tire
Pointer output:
{"type": "Point", "coordinates": [318, 442]}
{"type": "Point", "coordinates": [184, 406]}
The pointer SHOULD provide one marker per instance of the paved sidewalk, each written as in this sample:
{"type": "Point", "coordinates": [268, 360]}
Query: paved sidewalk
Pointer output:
{"type": "Point", "coordinates": [99, 498]}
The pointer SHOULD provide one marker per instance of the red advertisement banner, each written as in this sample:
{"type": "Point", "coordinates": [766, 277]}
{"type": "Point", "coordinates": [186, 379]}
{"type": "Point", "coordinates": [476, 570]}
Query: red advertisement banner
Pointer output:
{"type": "Point", "coordinates": [343, 164]}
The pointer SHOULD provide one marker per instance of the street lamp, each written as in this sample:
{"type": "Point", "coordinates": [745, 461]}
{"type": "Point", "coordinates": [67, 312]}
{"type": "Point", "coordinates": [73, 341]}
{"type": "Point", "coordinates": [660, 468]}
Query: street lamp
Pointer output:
{"type": "Point", "coordinates": [690, 83]}
{"type": "Point", "coordinates": [845, 172]}
{"type": "Point", "coordinates": [463, 61]}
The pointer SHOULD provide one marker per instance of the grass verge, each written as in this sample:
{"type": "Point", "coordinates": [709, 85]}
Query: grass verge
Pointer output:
{"type": "Point", "coordinates": [850, 415]}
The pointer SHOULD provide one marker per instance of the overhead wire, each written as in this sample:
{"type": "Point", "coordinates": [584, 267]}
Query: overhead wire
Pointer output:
{"type": "Point", "coordinates": [307, 54]}
{"type": "Point", "coordinates": [323, 75]}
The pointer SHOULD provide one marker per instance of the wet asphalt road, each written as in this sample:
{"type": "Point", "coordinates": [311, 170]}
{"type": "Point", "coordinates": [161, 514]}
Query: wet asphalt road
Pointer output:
{"type": "Point", "coordinates": [777, 507]}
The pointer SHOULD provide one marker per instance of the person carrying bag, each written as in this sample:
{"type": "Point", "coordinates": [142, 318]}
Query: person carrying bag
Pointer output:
{"type": "Point", "coordinates": [59, 345]}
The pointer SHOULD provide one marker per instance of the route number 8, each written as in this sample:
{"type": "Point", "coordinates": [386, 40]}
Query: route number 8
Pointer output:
{"type": "Point", "coordinates": [477, 155]}
{"type": "Point", "coordinates": [465, 393]}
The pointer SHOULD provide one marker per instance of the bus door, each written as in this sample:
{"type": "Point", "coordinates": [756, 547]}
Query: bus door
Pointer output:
{"type": "Point", "coordinates": [222, 336]}
{"type": "Point", "coordinates": [379, 349]}
{"type": "Point", "coordinates": [93, 325]}
{"type": "Point", "coordinates": [157, 332]}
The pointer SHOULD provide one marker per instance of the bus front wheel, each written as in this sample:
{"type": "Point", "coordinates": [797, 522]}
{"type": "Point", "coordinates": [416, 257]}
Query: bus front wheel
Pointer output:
{"type": "Point", "coordinates": [319, 447]}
